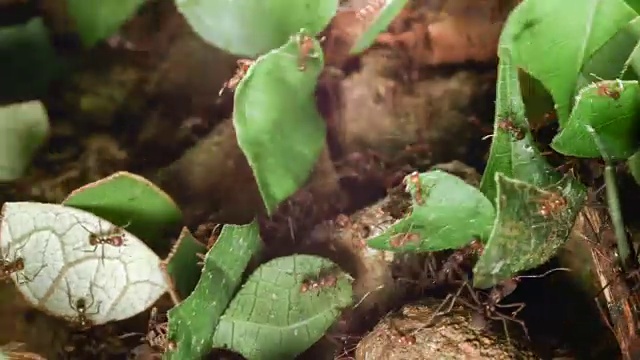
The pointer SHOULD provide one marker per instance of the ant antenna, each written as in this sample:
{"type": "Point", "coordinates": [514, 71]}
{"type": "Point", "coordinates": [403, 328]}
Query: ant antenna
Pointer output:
{"type": "Point", "coordinates": [542, 275]}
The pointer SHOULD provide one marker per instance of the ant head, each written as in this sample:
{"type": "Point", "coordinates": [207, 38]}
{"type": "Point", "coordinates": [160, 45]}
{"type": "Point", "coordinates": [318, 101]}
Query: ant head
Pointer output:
{"type": "Point", "coordinates": [94, 239]}
{"type": "Point", "coordinates": [171, 345]}
{"type": "Point", "coordinates": [81, 305]}
{"type": "Point", "coordinates": [19, 264]}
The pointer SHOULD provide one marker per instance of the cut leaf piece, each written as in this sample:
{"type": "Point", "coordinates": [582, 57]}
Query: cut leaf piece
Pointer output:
{"type": "Point", "coordinates": [96, 21]}
{"type": "Point", "coordinates": [125, 198]}
{"type": "Point", "coordinates": [612, 108]}
{"type": "Point", "coordinates": [28, 75]}
{"type": "Point", "coordinates": [531, 225]}
{"type": "Point", "coordinates": [253, 27]}
{"type": "Point", "coordinates": [61, 267]}
{"type": "Point", "coordinates": [614, 59]}
{"type": "Point", "coordinates": [182, 262]}
{"type": "Point", "coordinates": [192, 322]}
{"type": "Point", "coordinates": [447, 214]}
{"type": "Point", "coordinates": [23, 129]}
{"type": "Point", "coordinates": [532, 28]}
{"type": "Point", "coordinates": [277, 124]}
{"type": "Point", "coordinates": [510, 113]}
{"type": "Point", "coordinates": [379, 20]}
{"type": "Point", "coordinates": [279, 312]}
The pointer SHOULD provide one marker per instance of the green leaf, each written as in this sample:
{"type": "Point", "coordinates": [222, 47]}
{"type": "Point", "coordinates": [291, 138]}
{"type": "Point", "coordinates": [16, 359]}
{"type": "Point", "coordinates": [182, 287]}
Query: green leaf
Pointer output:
{"type": "Point", "coordinates": [523, 236]}
{"type": "Point", "coordinates": [27, 75]}
{"type": "Point", "coordinates": [447, 214]}
{"type": "Point", "coordinates": [272, 318]}
{"type": "Point", "coordinates": [193, 322]}
{"type": "Point", "coordinates": [513, 151]}
{"type": "Point", "coordinates": [614, 59]}
{"type": "Point", "coordinates": [253, 27]}
{"type": "Point", "coordinates": [97, 20]}
{"type": "Point", "coordinates": [634, 166]}
{"type": "Point", "coordinates": [23, 129]}
{"type": "Point", "coordinates": [532, 28]}
{"type": "Point", "coordinates": [614, 118]}
{"type": "Point", "coordinates": [182, 262]}
{"type": "Point", "coordinates": [379, 23]}
{"type": "Point", "coordinates": [277, 124]}
{"type": "Point", "coordinates": [128, 199]}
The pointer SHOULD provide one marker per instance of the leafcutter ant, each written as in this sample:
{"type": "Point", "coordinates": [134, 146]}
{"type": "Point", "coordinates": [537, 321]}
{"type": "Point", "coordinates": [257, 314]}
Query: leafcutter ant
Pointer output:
{"type": "Point", "coordinates": [414, 179]}
{"type": "Point", "coordinates": [326, 279]}
{"type": "Point", "coordinates": [305, 47]}
{"type": "Point", "coordinates": [454, 262]}
{"type": "Point", "coordinates": [15, 264]}
{"type": "Point", "coordinates": [402, 239]}
{"type": "Point", "coordinates": [114, 236]}
{"type": "Point", "coordinates": [157, 334]}
{"type": "Point", "coordinates": [507, 125]}
{"type": "Point", "coordinates": [243, 66]}
{"type": "Point", "coordinates": [81, 307]}
{"type": "Point", "coordinates": [371, 9]}
{"type": "Point", "coordinates": [551, 204]}
{"type": "Point", "coordinates": [489, 308]}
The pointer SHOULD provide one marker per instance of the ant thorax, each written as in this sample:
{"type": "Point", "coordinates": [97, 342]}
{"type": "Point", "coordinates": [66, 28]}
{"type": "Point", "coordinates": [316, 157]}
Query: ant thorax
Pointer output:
{"type": "Point", "coordinates": [551, 204]}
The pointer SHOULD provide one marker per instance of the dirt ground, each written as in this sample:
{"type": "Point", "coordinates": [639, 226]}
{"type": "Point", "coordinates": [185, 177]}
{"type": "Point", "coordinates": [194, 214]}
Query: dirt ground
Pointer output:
{"type": "Point", "coordinates": [421, 97]}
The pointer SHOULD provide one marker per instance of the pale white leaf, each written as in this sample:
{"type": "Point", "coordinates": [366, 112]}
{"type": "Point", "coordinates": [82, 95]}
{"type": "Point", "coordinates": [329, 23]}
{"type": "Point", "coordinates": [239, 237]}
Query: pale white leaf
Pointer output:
{"type": "Point", "coordinates": [62, 267]}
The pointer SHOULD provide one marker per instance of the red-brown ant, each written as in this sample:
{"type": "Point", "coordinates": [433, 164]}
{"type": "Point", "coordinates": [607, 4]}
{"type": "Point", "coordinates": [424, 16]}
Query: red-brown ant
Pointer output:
{"type": "Point", "coordinates": [8, 267]}
{"type": "Point", "coordinates": [243, 66]}
{"type": "Point", "coordinates": [605, 90]}
{"type": "Point", "coordinates": [327, 278]}
{"type": "Point", "coordinates": [114, 236]}
{"type": "Point", "coordinates": [414, 179]}
{"type": "Point", "coordinates": [305, 47]}
{"type": "Point", "coordinates": [454, 262]}
{"type": "Point", "coordinates": [157, 334]}
{"type": "Point", "coordinates": [372, 8]}
{"type": "Point", "coordinates": [80, 306]}
{"type": "Point", "coordinates": [488, 309]}
{"type": "Point", "coordinates": [507, 125]}
{"type": "Point", "coordinates": [402, 239]}
{"type": "Point", "coordinates": [551, 204]}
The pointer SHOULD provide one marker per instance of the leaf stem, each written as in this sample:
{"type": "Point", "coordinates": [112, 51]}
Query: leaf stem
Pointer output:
{"type": "Point", "coordinates": [613, 202]}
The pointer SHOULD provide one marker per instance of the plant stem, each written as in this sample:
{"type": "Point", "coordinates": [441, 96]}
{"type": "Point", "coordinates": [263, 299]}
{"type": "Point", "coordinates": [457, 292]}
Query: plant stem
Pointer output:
{"type": "Point", "coordinates": [613, 202]}
{"type": "Point", "coordinates": [616, 215]}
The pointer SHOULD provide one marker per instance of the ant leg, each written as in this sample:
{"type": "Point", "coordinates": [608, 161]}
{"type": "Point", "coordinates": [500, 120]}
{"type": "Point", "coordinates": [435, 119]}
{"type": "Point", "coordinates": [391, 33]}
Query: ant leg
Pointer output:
{"type": "Point", "coordinates": [34, 275]}
{"type": "Point", "coordinates": [519, 307]}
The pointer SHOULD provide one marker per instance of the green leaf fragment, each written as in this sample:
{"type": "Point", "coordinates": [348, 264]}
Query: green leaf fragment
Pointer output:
{"type": "Point", "coordinates": [193, 322]}
{"type": "Point", "coordinates": [277, 124]}
{"type": "Point", "coordinates": [612, 109]}
{"type": "Point", "coordinates": [447, 214]}
{"type": "Point", "coordinates": [586, 26]}
{"type": "Point", "coordinates": [96, 21]}
{"type": "Point", "coordinates": [182, 262]}
{"type": "Point", "coordinates": [253, 27]}
{"type": "Point", "coordinates": [615, 59]}
{"type": "Point", "coordinates": [29, 74]}
{"type": "Point", "coordinates": [273, 318]}
{"type": "Point", "coordinates": [634, 166]}
{"type": "Point", "coordinates": [380, 22]}
{"type": "Point", "coordinates": [525, 235]}
{"type": "Point", "coordinates": [23, 129]}
{"type": "Point", "coordinates": [128, 199]}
